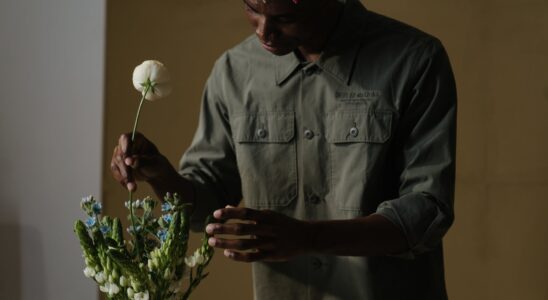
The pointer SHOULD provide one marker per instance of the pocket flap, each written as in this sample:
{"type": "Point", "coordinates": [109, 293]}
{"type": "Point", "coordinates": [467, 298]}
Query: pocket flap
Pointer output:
{"type": "Point", "coordinates": [351, 126]}
{"type": "Point", "coordinates": [265, 127]}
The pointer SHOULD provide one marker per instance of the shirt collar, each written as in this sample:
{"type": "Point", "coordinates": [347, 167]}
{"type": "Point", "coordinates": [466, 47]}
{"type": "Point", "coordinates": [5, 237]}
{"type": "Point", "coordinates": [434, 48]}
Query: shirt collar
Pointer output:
{"type": "Point", "coordinates": [341, 50]}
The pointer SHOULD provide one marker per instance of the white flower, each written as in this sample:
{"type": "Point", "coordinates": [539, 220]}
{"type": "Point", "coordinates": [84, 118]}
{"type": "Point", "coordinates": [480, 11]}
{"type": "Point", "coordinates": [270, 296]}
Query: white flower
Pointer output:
{"type": "Point", "coordinates": [124, 281]}
{"type": "Point", "coordinates": [152, 73]}
{"type": "Point", "coordinates": [168, 274]}
{"type": "Point", "coordinates": [190, 261]}
{"type": "Point", "coordinates": [141, 296]}
{"type": "Point", "coordinates": [130, 293]}
{"type": "Point", "coordinates": [110, 288]}
{"type": "Point", "coordinates": [87, 199]}
{"type": "Point", "coordinates": [89, 272]}
{"type": "Point", "coordinates": [200, 259]}
{"type": "Point", "coordinates": [196, 259]}
{"type": "Point", "coordinates": [100, 277]}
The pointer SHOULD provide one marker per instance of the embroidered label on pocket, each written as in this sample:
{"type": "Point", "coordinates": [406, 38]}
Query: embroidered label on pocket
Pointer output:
{"type": "Point", "coordinates": [357, 96]}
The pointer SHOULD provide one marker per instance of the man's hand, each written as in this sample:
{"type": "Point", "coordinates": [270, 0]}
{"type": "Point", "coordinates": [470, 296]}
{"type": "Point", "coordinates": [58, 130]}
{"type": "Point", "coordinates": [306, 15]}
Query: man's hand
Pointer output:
{"type": "Point", "coordinates": [138, 160]}
{"type": "Point", "coordinates": [262, 235]}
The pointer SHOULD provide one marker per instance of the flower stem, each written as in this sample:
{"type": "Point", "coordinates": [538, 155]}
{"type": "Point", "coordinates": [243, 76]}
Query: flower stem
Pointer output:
{"type": "Point", "coordinates": [132, 214]}
{"type": "Point", "coordinates": [147, 88]}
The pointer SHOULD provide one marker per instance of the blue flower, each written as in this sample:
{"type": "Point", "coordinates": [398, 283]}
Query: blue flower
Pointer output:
{"type": "Point", "coordinates": [97, 207]}
{"type": "Point", "coordinates": [90, 222]}
{"type": "Point", "coordinates": [162, 235]}
{"type": "Point", "coordinates": [167, 218]}
{"type": "Point", "coordinates": [105, 229]}
{"type": "Point", "coordinates": [166, 207]}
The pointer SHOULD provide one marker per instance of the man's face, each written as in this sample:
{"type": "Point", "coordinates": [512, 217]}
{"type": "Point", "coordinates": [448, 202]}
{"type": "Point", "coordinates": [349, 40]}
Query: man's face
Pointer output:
{"type": "Point", "coordinates": [281, 25]}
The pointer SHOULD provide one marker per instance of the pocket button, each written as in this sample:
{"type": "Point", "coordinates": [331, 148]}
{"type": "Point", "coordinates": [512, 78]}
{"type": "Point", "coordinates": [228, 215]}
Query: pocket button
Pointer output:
{"type": "Point", "coordinates": [354, 132]}
{"type": "Point", "coordinates": [261, 133]}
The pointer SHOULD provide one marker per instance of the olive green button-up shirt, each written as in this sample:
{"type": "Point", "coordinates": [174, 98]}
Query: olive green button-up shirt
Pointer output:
{"type": "Point", "coordinates": [368, 128]}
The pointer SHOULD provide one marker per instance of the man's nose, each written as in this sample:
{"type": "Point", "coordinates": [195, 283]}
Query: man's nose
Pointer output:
{"type": "Point", "coordinates": [265, 29]}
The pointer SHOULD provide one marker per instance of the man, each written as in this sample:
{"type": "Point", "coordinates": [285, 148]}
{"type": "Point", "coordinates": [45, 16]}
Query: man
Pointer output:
{"type": "Point", "coordinates": [337, 127]}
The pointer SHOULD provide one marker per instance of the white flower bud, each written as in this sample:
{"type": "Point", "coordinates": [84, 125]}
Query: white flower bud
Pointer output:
{"type": "Point", "coordinates": [130, 292]}
{"type": "Point", "coordinates": [190, 261]}
{"type": "Point", "coordinates": [89, 272]}
{"type": "Point", "coordinates": [113, 289]}
{"type": "Point", "coordinates": [109, 288]}
{"type": "Point", "coordinates": [156, 262]}
{"type": "Point", "coordinates": [167, 274]}
{"type": "Point", "coordinates": [200, 259]}
{"type": "Point", "coordinates": [142, 296]}
{"type": "Point", "coordinates": [123, 281]}
{"type": "Point", "coordinates": [135, 284]}
{"type": "Point", "coordinates": [153, 72]}
{"type": "Point", "coordinates": [88, 261]}
{"type": "Point", "coordinates": [100, 277]}
{"type": "Point", "coordinates": [115, 275]}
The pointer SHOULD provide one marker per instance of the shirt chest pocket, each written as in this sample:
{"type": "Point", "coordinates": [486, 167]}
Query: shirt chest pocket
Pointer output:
{"type": "Point", "coordinates": [266, 156]}
{"type": "Point", "coordinates": [357, 144]}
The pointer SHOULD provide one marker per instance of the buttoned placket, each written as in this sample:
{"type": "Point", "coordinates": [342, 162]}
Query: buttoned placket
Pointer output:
{"type": "Point", "coordinates": [309, 140]}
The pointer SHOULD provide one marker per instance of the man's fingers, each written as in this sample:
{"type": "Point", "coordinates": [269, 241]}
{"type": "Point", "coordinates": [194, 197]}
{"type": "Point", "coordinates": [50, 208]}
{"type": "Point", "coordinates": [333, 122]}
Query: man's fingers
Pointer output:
{"type": "Point", "coordinates": [124, 143]}
{"type": "Point", "coordinates": [246, 256]}
{"type": "Point", "coordinates": [240, 229]}
{"type": "Point", "coordinates": [238, 244]}
{"type": "Point", "coordinates": [121, 171]}
{"type": "Point", "coordinates": [242, 213]}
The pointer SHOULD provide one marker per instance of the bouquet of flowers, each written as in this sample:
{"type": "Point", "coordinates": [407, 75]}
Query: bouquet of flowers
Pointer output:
{"type": "Point", "coordinates": [153, 263]}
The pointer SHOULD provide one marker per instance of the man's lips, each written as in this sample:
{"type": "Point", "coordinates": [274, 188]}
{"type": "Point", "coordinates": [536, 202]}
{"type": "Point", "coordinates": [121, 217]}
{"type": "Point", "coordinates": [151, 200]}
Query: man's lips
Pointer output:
{"type": "Point", "coordinates": [270, 46]}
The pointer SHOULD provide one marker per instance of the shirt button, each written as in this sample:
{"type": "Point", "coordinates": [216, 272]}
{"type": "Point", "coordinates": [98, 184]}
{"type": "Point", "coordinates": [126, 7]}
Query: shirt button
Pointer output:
{"type": "Point", "coordinates": [317, 263]}
{"type": "Point", "coordinates": [354, 132]}
{"type": "Point", "coordinates": [314, 199]}
{"type": "Point", "coordinates": [261, 133]}
{"type": "Point", "coordinates": [310, 70]}
{"type": "Point", "coordinates": [308, 134]}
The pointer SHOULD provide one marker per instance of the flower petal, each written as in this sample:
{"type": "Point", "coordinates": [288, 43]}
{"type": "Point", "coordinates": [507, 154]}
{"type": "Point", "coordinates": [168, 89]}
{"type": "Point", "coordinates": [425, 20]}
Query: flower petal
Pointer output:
{"type": "Point", "coordinates": [155, 73]}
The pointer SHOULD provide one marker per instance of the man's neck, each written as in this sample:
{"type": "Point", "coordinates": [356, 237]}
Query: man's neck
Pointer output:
{"type": "Point", "coordinates": [313, 50]}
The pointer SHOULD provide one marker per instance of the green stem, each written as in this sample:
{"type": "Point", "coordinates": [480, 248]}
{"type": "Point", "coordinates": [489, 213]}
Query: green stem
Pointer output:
{"type": "Point", "coordinates": [147, 88]}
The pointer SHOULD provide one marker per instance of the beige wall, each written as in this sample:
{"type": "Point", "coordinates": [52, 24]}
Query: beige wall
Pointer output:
{"type": "Point", "coordinates": [499, 51]}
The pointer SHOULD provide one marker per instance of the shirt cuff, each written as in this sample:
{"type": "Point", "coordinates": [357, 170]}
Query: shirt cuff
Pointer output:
{"type": "Point", "coordinates": [421, 220]}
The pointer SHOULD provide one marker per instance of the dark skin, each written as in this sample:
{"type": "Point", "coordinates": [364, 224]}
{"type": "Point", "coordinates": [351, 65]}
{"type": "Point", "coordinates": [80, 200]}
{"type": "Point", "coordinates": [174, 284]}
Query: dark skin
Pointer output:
{"type": "Point", "coordinates": [264, 235]}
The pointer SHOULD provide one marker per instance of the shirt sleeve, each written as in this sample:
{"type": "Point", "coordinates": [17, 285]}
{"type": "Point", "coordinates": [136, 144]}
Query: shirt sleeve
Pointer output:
{"type": "Point", "coordinates": [426, 160]}
{"type": "Point", "coordinates": [210, 161]}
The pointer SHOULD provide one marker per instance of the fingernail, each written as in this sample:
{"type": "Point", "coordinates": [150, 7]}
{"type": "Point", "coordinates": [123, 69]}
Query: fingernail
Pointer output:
{"type": "Point", "coordinates": [128, 161]}
{"type": "Point", "coordinates": [210, 228]}
{"type": "Point", "coordinates": [229, 206]}
{"type": "Point", "coordinates": [212, 242]}
{"type": "Point", "coordinates": [228, 253]}
{"type": "Point", "coordinates": [131, 186]}
{"type": "Point", "coordinates": [218, 213]}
